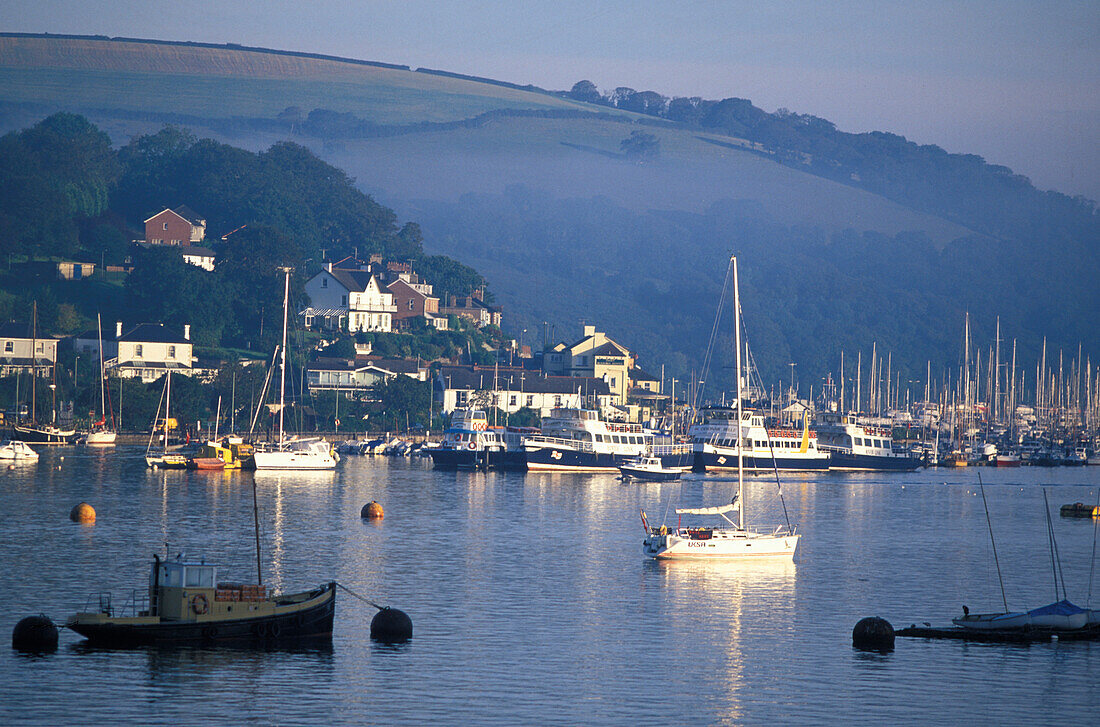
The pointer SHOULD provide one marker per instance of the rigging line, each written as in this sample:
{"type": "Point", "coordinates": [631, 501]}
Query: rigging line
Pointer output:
{"type": "Point", "coordinates": [708, 357]}
{"type": "Point", "coordinates": [1092, 562]}
{"type": "Point", "coordinates": [1050, 544]}
{"type": "Point", "coordinates": [996, 560]}
{"type": "Point", "coordinates": [1054, 552]}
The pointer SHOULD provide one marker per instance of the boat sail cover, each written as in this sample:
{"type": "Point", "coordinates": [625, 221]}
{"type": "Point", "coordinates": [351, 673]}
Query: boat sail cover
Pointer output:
{"type": "Point", "coordinates": [720, 510]}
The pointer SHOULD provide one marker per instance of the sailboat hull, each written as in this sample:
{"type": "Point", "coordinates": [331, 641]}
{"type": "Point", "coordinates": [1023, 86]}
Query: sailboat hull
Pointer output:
{"type": "Point", "coordinates": [717, 543]}
{"type": "Point", "coordinates": [100, 438]}
{"type": "Point", "coordinates": [43, 434]}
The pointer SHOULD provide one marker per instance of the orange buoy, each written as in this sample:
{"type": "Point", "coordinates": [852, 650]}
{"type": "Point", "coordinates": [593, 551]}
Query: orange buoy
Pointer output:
{"type": "Point", "coordinates": [372, 511]}
{"type": "Point", "coordinates": [82, 513]}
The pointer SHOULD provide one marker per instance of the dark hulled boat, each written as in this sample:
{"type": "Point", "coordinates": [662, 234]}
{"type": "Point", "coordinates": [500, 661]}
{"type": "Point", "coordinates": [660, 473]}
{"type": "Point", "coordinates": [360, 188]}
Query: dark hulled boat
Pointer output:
{"type": "Point", "coordinates": [186, 605]}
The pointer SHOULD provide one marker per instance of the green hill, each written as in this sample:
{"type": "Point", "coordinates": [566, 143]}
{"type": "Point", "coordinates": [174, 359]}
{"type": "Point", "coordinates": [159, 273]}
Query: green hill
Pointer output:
{"type": "Point", "coordinates": [536, 191]}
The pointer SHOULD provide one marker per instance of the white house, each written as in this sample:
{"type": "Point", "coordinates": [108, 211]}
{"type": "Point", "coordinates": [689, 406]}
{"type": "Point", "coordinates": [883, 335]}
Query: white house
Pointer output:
{"type": "Point", "coordinates": [511, 389]}
{"type": "Point", "coordinates": [148, 350]}
{"type": "Point", "coordinates": [351, 298]}
{"type": "Point", "coordinates": [16, 343]}
{"type": "Point", "coordinates": [358, 375]}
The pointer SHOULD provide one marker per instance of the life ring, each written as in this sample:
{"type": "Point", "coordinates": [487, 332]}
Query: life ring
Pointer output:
{"type": "Point", "coordinates": [274, 629]}
{"type": "Point", "coordinates": [471, 445]}
{"type": "Point", "coordinates": [199, 604]}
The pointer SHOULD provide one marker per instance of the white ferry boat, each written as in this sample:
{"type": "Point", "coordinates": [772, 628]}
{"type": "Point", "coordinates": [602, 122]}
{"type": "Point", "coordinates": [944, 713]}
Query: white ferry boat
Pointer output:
{"type": "Point", "coordinates": [856, 447]}
{"type": "Point", "coordinates": [470, 443]}
{"type": "Point", "coordinates": [578, 440]}
{"type": "Point", "coordinates": [716, 450]}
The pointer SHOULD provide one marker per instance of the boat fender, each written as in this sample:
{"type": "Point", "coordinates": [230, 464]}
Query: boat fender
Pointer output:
{"type": "Point", "coordinates": [199, 604]}
{"type": "Point", "coordinates": [274, 630]}
{"type": "Point", "coordinates": [664, 530]}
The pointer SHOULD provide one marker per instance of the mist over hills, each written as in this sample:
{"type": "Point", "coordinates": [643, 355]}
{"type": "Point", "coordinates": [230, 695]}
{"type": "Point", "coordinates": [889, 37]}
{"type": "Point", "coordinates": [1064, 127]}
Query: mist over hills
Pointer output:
{"type": "Point", "coordinates": [536, 191]}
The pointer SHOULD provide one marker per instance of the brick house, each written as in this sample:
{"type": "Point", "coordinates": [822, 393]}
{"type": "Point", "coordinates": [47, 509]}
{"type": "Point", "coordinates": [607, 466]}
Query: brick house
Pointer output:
{"type": "Point", "coordinates": [414, 299]}
{"type": "Point", "coordinates": [181, 226]}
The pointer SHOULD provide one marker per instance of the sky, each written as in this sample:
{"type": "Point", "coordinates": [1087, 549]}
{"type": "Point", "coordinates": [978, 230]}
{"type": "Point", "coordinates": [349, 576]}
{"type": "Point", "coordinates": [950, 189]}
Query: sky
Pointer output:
{"type": "Point", "coordinates": [1017, 82]}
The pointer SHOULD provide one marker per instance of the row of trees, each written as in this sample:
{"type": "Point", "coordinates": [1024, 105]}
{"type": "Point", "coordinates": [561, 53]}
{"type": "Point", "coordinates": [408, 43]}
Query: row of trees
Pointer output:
{"type": "Point", "coordinates": [988, 198]}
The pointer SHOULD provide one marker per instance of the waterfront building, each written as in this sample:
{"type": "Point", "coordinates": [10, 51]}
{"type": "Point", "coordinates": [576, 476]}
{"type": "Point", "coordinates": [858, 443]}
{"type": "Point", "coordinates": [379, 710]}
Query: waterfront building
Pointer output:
{"type": "Point", "coordinates": [16, 344]}
{"type": "Point", "coordinates": [511, 388]}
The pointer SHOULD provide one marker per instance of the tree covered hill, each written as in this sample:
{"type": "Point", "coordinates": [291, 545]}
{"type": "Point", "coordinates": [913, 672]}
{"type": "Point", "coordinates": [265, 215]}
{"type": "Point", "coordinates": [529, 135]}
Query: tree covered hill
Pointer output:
{"type": "Point", "coordinates": [65, 192]}
{"type": "Point", "coordinates": [846, 239]}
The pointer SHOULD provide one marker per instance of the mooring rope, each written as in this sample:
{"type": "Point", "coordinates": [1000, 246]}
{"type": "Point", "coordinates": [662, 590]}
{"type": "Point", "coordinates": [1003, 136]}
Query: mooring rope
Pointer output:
{"type": "Point", "coordinates": [361, 598]}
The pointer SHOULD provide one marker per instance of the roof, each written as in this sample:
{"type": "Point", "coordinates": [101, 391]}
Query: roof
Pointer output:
{"type": "Point", "coordinates": [153, 333]}
{"type": "Point", "coordinates": [638, 375]}
{"type": "Point", "coordinates": [353, 280]}
{"type": "Point", "coordinates": [396, 365]}
{"type": "Point", "coordinates": [196, 251]}
{"type": "Point", "coordinates": [190, 215]}
{"type": "Point", "coordinates": [334, 364]}
{"type": "Point", "coordinates": [515, 379]}
{"type": "Point", "coordinates": [610, 349]}
{"type": "Point", "coordinates": [144, 364]}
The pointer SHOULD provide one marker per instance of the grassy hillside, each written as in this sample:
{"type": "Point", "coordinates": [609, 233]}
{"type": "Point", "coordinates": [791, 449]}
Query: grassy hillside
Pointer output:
{"type": "Point", "coordinates": [535, 191]}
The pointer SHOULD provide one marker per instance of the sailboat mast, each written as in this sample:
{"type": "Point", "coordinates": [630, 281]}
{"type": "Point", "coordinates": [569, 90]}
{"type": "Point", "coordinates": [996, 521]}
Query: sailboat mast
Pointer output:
{"type": "Point", "coordinates": [102, 373]}
{"type": "Point", "coordinates": [282, 356]}
{"type": "Point", "coordinates": [34, 362]}
{"type": "Point", "coordinates": [740, 441]}
{"type": "Point", "coordinates": [167, 406]}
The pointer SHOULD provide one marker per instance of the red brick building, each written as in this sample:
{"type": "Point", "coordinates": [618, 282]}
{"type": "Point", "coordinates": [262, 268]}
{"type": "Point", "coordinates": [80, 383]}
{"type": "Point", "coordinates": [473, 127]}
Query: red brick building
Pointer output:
{"type": "Point", "coordinates": [180, 226]}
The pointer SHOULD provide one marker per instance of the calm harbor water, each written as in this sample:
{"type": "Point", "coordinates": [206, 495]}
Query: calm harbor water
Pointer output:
{"type": "Point", "coordinates": [532, 603]}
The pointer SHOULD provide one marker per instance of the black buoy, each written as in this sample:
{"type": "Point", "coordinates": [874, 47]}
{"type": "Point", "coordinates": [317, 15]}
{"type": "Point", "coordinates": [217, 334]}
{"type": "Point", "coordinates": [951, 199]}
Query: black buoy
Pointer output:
{"type": "Point", "coordinates": [873, 634]}
{"type": "Point", "coordinates": [34, 634]}
{"type": "Point", "coordinates": [391, 626]}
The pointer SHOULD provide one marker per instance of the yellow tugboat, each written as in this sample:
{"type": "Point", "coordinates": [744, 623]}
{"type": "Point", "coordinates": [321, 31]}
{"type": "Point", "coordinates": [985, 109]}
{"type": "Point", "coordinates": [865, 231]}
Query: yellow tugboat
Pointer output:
{"type": "Point", "coordinates": [187, 605]}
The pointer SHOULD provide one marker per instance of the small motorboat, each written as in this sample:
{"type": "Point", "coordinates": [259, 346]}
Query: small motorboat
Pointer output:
{"type": "Point", "coordinates": [1059, 616]}
{"type": "Point", "coordinates": [18, 451]}
{"type": "Point", "coordinates": [649, 468]}
{"type": "Point", "coordinates": [206, 463]}
{"type": "Point", "coordinates": [186, 605]}
{"type": "Point", "coordinates": [1079, 509]}
{"type": "Point", "coordinates": [166, 461]}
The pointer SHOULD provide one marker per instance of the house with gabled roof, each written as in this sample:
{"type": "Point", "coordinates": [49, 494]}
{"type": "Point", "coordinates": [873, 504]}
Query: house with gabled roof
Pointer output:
{"type": "Point", "coordinates": [144, 351]}
{"type": "Point", "coordinates": [179, 226]}
{"type": "Point", "coordinates": [593, 355]}
{"type": "Point", "coordinates": [17, 342]}
{"type": "Point", "coordinates": [351, 298]}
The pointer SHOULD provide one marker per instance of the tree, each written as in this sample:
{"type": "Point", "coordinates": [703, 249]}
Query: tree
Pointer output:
{"type": "Point", "coordinates": [641, 146]}
{"type": "Point", "coordinates": [585, 91]}
{"type": "Point", "coordinates": [401, 396]}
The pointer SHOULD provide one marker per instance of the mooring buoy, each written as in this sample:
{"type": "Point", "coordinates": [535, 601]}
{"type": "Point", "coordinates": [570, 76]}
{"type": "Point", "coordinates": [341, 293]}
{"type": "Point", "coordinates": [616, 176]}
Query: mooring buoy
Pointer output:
{"type": "Point", "coordinates": [873, 634]}
{"type": "Point", "coordinates": [34, 634]}
{"type": "Point", "coordinates": [391, 626]}
{"type": "Point", "coordinates": [82, 513]}
{"type": "Point", "coordinates": [372, 511]}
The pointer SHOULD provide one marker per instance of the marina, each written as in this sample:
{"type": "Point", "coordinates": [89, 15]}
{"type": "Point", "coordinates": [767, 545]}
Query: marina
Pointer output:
{"type": "Point", "coordinates": [511, 629]}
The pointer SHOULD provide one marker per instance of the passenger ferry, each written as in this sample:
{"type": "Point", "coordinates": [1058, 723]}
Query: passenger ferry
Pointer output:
{"type": "Point", "coordinates": [470, 443]}
{"type": "Point", "coordinates": [715, 442]}
{"type": "Point", "coordinates": [578, 440]}
{"type": "Point", "coordinates": [856, 447]}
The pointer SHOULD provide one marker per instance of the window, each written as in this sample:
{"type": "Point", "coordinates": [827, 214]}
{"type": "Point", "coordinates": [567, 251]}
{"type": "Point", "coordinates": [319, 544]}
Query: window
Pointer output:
{"type": "Point", "coordinates": [530, 400]}
{"type": "Point", "coordinates": [324, 282]}
{"type": "Point", "coordinates": [557, 400]}
{"type": "Point", "coordinates": [412, 304]}
{"type": "Point", "coordinates": [137, 351]}
{"type": "Point", "coordinates": [40, 349]}
{"type": "Point", "coordinates": [343, 300]}
{"type": "Point", "coordinates": [164, 226]}
{"type": "Point", "coordinates": [512, 400]}
{"type": "Point", "coordinates": [171, 352]}
{"type": "Point", "coordinates": [8, 347]}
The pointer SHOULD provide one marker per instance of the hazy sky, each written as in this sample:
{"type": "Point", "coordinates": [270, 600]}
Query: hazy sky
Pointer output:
{"type": "Point", "coordinates": [1016, 82]}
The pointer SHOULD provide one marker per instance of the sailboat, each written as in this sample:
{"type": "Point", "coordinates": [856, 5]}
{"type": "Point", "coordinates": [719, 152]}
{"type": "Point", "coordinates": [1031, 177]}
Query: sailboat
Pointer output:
{"type": "Point", "coordinates": [1061, 615]}
{"type": "Point", "coordinates": [292, 454]}
{"type": "Point", "coordinates": [732, 539]}
{"type": "Point", "coordinates": [165, 460]}
{"type": "Point", "coordinates": [101, 434]}
{"type": "Point", "coordinates": [31, 431]}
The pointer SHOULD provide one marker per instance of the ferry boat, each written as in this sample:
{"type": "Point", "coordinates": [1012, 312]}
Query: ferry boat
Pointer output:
{"type": "Point", "coordinates": [716, 450]}
{"type": "Point", "coordinates": [855, 447]}
{"type": "Point", "coordinates": [578, 440]}
{"type": "Point", "coordinates": [185, 604]}
{"type": "Point", "coordinates": [470, 443]}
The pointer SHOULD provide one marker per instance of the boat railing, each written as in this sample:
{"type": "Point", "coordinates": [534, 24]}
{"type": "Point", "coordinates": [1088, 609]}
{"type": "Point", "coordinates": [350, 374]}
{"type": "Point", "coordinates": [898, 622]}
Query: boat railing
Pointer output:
{"type": "Point", "coordinates": [561, 441]}
{"type": "Point", "coordinates": [658, 450]}
{"type": "Point", "coordinates": [136, 603]}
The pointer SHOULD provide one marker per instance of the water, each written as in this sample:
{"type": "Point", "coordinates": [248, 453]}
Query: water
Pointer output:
{"type": "Point", "coordinates": [532, 604]}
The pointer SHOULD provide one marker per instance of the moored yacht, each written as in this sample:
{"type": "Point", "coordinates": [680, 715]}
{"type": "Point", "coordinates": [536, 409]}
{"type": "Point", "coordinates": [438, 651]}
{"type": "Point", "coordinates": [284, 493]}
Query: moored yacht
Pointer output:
{"type": "Point", "coordinates": [578, 440]}
{"type": "Point", "coordinates": [855, 447]}
{"type": "Point", "coordinates": [716, 448]}
{"type": "Point", "coordinates": [470, 443]}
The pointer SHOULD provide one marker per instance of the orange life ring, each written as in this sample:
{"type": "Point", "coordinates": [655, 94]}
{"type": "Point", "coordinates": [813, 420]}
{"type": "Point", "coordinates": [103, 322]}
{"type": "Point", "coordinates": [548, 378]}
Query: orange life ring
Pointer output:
{"type": "Point", "coordinates": [199, 604]}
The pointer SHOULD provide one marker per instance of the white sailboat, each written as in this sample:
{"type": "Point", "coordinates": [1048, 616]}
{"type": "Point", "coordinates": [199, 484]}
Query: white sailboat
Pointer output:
{"type": "Point", "coordinates": [292, 454]}
{"type": "Point", "coordinates": [101, 434]}
{"type": "Point", "coordinates": [731, 539]}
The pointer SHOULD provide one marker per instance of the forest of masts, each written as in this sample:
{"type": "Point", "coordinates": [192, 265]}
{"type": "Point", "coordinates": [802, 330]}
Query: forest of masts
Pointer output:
{"type": "Point", "coordinates": [990, 391]}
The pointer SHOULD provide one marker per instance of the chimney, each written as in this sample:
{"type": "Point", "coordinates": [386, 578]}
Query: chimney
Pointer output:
{"type": "Point", "coordinates": [118, 329]}
{"type": "Point", "coordinates": [187, 331]}
{"type": "Point", "coordinates": [589, 331]}
{"type": "Point", "coordinates": [328, 267]}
